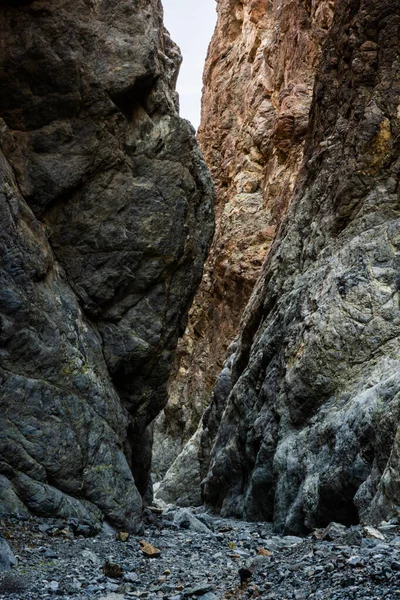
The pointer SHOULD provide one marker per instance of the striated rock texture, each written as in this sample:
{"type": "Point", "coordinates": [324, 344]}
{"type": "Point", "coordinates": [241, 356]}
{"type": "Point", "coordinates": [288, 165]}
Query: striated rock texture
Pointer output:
{"type": "Point", "coordinates": [258, 83]}
{"type": "Point", "coordinates": [310, 429]}
{"type": "Point", "coordinates": [106, 220]}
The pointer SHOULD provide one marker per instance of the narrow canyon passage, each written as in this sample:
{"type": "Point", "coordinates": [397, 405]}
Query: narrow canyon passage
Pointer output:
{"type": "Point", "coordinates": [300, 121]}
{"type": "Point", "coordinates": [218, 314]}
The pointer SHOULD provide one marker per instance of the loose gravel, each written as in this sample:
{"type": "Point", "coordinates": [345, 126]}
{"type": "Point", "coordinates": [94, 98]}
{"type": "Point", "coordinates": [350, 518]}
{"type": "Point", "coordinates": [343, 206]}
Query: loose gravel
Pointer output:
{"type": "Point", "coordinates": [196, 555]}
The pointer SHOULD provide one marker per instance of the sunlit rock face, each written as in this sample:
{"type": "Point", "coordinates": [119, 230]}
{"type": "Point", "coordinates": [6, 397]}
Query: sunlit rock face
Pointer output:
{"type": "Point", "coordinates": [310, 429]}
{"type": "Point", "coordinates": [106, 220]}
{"type": "Point", "coordinates": [258, 83]}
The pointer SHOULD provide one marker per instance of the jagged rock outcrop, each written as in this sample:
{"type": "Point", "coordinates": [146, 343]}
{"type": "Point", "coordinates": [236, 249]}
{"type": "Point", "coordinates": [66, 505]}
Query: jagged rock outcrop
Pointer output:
{"type": "Point", "coordinates": [303, 428]}
{"type": "Point", "coordinates": [310, 428]}
{"type": "Point", "coordinates": [258, 83]}
{"type": "Point", "coordinates": [106, 219]}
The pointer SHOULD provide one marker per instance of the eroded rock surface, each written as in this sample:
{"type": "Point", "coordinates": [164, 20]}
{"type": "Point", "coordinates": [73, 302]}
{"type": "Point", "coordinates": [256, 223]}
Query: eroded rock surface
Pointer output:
{"type": "Point", "coordinates": [106, 219]}
{"type": "Point", "coordinates": [310, 430]}
{"type": "Point", "coordinates": [258, 83]}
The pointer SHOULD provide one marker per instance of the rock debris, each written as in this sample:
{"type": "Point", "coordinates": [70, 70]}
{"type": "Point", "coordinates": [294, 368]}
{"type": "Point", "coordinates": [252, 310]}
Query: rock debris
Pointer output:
{"type": "Point", "coordinates": [203, 557]}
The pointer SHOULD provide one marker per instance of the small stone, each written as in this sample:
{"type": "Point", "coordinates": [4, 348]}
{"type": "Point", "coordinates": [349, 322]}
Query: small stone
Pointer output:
{"type": "Point", "coordinates": [334, 531]}
{"type": "Point", "coordinates": [130, 577]}
{"type": "Point", "coordinates": [7, 558]}
{"type": "Point", "coordinates": [53, 586]}
{"type": "Point", "coordinates": [198, 590]}
{"type": "Point", "coordinates": [93, 589]}
{"type": "Point", "coordinates": [263, 552]}
{"type": "Point", "coordinates": [64, 531]}
{"type": "Point", "coordinates": [355, 561]}
{"type": "Point", "coordinates": [112, 570]}
{"type": "Point", "coordinates": [122, 536]}
{"type": "Point", "coordinates": [149, 550]}
{"type": "Point", "coordinates": [91, 557]}
{"type": "Point", "coordinates": [85, 530]}
{"type": "Point", "coordinates": [50, 553]}
{"type": "Point", "coordinates": [155, 509]}
{"type": "Point", "coordinates": [373, 533]}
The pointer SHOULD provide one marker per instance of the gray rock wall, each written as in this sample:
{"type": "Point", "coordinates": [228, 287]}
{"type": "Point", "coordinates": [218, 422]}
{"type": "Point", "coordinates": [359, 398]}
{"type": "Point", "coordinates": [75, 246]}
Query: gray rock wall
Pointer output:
{"type": "Point", "coordinates": [303, 428]}
{"type": "Point", "coordinates": [309, 433]}
{"type": "Point", "coordinates": [106, 219]}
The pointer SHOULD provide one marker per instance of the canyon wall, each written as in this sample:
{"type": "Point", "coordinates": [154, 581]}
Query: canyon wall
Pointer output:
{"type": "Point", "coordinates": [258, 82]}
{"type": "Point", "coordinates": [303, 428]}
{"type": "Point", "coordinates": [310, 428]}
{"type": "Point", "coordinates": [106, 220]}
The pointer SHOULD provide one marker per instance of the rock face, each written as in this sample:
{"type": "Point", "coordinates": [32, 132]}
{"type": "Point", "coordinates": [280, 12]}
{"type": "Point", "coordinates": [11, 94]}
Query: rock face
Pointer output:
{"type": "Point", "coordinates": [303, 428]}
{"type": "Point", "coordinates": [310, 429]}
{"type": "Point", "coordinates": [258, 83]}
{"type": "Point", "coordinates": [106, 220]}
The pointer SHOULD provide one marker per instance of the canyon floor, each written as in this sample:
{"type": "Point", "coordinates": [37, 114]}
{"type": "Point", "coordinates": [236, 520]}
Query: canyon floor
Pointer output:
{"type": "Point", "coordinates": [197, 555]}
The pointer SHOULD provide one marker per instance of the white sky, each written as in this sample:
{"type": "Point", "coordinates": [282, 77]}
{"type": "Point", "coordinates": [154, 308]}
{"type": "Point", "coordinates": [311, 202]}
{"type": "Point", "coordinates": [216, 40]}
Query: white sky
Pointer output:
{"type": "Point", "coordinates": [191, 25]}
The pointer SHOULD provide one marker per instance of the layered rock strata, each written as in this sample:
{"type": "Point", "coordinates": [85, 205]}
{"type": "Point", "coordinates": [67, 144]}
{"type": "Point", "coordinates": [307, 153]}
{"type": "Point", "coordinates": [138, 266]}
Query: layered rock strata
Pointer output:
{"type": "Point", "coordinates": [258, 83]}
{"type": "Point", "coordinates": [311, 394]}
{"type": "Point", "coordinates": [106, 220]}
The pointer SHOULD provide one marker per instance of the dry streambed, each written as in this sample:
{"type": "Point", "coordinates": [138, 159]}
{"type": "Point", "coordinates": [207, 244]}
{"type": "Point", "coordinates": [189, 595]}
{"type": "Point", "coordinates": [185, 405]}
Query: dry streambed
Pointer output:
{"type": "Point", "coordinates": [183, 554]}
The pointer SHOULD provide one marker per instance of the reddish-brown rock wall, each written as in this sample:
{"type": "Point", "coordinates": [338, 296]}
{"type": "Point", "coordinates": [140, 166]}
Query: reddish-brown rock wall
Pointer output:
{"type": "Point", "coordinates": [258, 83]}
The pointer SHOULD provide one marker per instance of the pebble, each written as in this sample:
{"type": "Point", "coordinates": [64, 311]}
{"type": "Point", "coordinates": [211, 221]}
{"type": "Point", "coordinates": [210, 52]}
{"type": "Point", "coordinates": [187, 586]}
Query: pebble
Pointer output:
{"type": "Point", "coordinates": [355, 561]}
{"type": "Point", "coordinates": [53, 586]}
{"type": "Point", "coordinates": [198, 590]}
{"type": "Point", "coordinates": [49, 553]}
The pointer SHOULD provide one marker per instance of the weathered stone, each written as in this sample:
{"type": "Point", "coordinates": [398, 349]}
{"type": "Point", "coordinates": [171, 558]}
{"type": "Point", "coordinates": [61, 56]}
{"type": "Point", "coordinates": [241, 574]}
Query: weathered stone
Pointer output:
{"type": "Point", "coordinates": [310, 430]}
{"type": "Point", "coordinates": [181, 484]}
{"type": "Point", "coordinates": [7, 558]}
{"type": "Point", "coordinates": [112, 570]}
{"type": "Point", "coordinates": [106, 217]}
{"type": "Point", "coordinates": [198, 590]}
{"type": "Point", "coordinates": [186, 520]}
{"type": "Point", "coordinates": [258, 83]}
{"type": "Point", "coordinates": [374, 534]}
{"type": "Point", "coordinates": [149, 550]}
